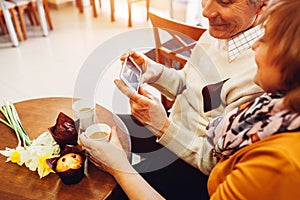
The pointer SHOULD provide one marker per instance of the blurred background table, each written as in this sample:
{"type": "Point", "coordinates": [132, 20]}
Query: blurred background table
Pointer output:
{"type": "Point", "coordinates": [18, 182]}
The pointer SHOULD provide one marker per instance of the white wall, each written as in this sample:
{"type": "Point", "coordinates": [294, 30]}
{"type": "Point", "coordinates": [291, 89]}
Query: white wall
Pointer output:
{"type": "Point", "coordinates": [189, 11]}
{"type": "Point", "coordinates": [160, 4]}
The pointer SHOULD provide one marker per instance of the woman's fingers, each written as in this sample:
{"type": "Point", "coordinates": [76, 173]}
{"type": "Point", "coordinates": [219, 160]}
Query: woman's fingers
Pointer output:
{"type": "Point", "coordinates": [115, 139]}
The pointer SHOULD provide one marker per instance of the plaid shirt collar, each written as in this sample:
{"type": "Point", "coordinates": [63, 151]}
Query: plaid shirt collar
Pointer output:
{"type": "Point", "coordinates": [243, 41]}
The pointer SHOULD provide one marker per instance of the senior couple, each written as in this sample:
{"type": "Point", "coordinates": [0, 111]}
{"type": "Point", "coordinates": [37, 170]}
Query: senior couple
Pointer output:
{"type": "Point", "coordinates": [223, 124]}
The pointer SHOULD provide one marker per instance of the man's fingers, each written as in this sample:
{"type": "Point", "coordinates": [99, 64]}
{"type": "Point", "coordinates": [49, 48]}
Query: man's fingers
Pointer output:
{"type": "Point", "coordinates": [123, 88]}
{"type": "Point", "coordinates": [134, 55]}
{"type": "Point", "coordinates": [147, 94]}
{"type": "Point", "coordinates": [138, 59]}
{"type": "Point", "coordinates": [124, 56]}
{"type": "Point", "coordinates": [133, 95]}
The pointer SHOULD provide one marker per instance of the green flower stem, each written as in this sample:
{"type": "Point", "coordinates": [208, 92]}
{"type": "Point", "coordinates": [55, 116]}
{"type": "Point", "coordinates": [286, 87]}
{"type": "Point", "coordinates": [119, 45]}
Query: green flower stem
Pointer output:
{"type": "Point", "coordinates": [8, 115]}
{"type": "Point", "coordinates": [14, 122]}
{"type": "Point", "coordinates": [7, 124]}
{"type": "Point", "coordinates": [21, 131]}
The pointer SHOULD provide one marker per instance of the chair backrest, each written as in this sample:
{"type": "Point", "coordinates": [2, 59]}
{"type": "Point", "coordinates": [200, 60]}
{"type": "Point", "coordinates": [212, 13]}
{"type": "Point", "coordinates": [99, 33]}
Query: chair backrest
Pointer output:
{"type": "Point", "coordinates": [183, 39]}
{"type": "Point", "coordinates": [175, 52]}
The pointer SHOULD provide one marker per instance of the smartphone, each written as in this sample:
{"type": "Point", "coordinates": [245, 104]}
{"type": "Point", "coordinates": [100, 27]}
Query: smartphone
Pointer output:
{"type": "Point", "coordinates": [131, 74]}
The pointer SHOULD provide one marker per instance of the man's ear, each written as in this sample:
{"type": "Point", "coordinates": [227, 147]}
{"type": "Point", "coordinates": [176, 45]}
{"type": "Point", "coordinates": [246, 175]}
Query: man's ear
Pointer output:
{"type": "Point", "coordinates": [263, 7]}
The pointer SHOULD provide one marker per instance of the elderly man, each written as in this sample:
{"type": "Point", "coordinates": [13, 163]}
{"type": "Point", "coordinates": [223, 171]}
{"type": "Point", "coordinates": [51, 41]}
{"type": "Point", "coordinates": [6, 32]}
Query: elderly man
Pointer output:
{"type": "Point", "coordinates": [216, 79]}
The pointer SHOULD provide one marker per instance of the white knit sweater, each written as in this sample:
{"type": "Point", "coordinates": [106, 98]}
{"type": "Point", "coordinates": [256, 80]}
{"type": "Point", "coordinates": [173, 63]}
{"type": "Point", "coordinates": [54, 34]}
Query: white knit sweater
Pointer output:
{"type": "Point", "coordinates": [209, 64]}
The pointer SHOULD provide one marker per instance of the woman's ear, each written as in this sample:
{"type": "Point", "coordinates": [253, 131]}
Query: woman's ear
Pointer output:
{"type": "Point", "coordinates": [263, 7]}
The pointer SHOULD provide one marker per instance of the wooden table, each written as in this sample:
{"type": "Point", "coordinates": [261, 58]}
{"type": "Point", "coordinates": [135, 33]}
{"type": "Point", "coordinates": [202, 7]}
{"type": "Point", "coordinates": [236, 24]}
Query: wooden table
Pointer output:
{"type": "Point", "coordinates": [18, 182]}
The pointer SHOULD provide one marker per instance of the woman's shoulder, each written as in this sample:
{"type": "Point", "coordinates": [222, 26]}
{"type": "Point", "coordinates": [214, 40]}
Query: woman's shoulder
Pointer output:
{"type": "Point", "coordinates": [283, 147]}
{"type": "Point", "coordinates": [253, 171]}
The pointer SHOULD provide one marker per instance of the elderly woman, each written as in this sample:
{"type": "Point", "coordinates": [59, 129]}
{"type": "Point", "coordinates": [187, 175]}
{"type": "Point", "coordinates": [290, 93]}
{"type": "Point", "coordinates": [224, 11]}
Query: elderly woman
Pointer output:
{"type": "Point", "coordinates": [257, 143]}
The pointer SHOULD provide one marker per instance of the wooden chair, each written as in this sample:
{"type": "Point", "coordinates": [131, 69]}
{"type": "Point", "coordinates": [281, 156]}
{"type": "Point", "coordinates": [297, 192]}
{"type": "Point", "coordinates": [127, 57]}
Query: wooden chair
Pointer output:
{"type": "Point", "coordinates": [2, 23]}
{"type": "Point", "coordinates": [112, 8]}
{"type": "Point", "coordinates": [130, 2]}
{"type": "Point", "coordinates": [175, 52]}
{"type": "Point", "coordinates": [95, 14]}
{"type": "Point", "coordinates": [30, 7]}
{"type": "Point", "coordinates": [22, 6]}
{"type": "Point", "coordinates": [11, 8]}
{"type": "Point", "coordinates": [33, 4]}
{"type": "Point", "coordinates": [47, 13]}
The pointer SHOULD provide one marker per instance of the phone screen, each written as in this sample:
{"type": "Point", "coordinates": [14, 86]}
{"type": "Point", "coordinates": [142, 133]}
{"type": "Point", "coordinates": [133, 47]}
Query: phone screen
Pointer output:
{"type": "Point", "coordinates": [131, 74]}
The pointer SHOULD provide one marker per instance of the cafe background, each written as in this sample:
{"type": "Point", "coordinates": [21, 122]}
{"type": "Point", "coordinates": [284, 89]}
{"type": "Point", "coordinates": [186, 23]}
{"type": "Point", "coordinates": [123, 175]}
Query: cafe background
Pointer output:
{"type": "Point", "coordinates": [46, 66]}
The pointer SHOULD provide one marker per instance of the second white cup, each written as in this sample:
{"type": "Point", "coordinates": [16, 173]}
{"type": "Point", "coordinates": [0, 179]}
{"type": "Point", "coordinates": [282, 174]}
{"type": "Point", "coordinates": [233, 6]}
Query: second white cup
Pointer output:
{"type": "Point", "coordinates": [98, 132]}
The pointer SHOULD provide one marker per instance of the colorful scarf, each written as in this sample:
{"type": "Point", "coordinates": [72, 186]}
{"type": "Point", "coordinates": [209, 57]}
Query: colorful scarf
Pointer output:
{"type": "Point", "coordinates": [251, 122]}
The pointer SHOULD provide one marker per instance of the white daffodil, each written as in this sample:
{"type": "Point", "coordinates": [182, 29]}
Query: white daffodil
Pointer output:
{"type": "Point", "coordinates": [43, 167]}
{"type": "Point", "coordinates": [33, 153]}
{"type": "Point", "coordinates": [13, 155]}
{"type": "Point", "coordinates": [41, 149]}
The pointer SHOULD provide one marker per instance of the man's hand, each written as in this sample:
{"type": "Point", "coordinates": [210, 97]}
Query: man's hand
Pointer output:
{"type": "Point", "coordinates": [151, 71]}
{"type": "Point", "coordinates": [147, 109]}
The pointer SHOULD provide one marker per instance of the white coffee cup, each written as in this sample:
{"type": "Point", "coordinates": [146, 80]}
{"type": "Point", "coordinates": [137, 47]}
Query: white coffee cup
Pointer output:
{"type": "Point", "coordinates": [98, 132]}
{"type": "Point", "coordinates": [84, 110]}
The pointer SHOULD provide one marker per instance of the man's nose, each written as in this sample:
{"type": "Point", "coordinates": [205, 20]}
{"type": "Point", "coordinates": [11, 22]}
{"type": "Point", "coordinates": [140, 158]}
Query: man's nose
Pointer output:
{"type": "Point", "coordinates": [209, 8]}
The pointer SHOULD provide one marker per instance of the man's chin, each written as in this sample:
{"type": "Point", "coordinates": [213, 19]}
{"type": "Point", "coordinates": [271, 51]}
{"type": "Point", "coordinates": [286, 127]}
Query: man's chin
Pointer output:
{"type": "Point", "coordinates": [219, 34]}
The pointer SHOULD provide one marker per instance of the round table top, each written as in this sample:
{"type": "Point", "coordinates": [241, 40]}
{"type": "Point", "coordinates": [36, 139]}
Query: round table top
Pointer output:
{"type": "Point", "coordinates": [37, 115]}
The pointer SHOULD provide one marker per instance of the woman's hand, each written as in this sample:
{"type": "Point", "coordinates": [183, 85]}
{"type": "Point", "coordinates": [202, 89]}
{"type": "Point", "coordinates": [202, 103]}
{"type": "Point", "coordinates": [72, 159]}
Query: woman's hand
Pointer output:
{"type": "Point", "coordinates": [151, 71]}
{"type": "Point", "coordinates": [107, 156]}
{"type": "Point", "coordinates": [147, 109]}
{"type": "Point", "coordinates": [110, 157]}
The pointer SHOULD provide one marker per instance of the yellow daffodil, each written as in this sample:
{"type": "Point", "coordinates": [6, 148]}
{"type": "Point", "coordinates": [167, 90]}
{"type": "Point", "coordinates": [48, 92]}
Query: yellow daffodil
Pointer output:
{"type": "Point", "coordinates": [33, 153]}
{"type": "Point", "coordinates": [41, 149]}
{"type": "Point", "coordinates": [43, 168]}
{"type": "Point", "coordinates": [13, 155]}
